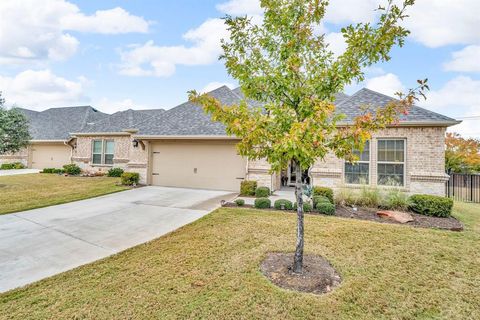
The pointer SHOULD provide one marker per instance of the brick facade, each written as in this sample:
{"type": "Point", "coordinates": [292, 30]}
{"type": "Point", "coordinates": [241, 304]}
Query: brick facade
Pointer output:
{"type": "Point", "coordinates": [424, 163]}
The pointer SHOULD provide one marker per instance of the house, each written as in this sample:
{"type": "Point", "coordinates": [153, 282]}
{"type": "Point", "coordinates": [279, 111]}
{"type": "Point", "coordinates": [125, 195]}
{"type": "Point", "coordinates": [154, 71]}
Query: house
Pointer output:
{"type": "Point", "coordinates": [182, 147]}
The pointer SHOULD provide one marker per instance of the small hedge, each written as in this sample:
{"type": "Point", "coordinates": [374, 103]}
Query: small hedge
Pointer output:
{"type": "Point", "coordinates": [11, 166]}
{"type": "Point", "coordinates": [262, 203]}
{"type": "Point", "coordinates": [319, 199]}
{"type": "Point", "coordinates": [431, 205]}
{"type": "Point", "coordinates": [72, 169]}
{"type": "Point", "coordinates": [53, 170]}
{"type": "Point", "coordinates": [307, 207]}
{"type": "Point", "coordinates": [240, 202]}
{"type": "Point", "coordinates": [326, 208]}
{"type": "Point", "coordinates": [115, 172]}
{"type": "Point", "coordinates": [248, 187]}
{"type": "Point", "coordinates": [262, 192]}
{"type": "Point", "coordinates": [323, 191]}
{"type": "Point", "coordinates": [287, 204]}
{"type": "Point", "coordinates": [130, 178]}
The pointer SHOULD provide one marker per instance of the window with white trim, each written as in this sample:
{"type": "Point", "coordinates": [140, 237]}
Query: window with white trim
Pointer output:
{"type": "Point", "coordinates": [359, 172]}
{"type": "Point", "coordinates": [103, 151]}
{"type": "Point", "coordinates": [391, 162]}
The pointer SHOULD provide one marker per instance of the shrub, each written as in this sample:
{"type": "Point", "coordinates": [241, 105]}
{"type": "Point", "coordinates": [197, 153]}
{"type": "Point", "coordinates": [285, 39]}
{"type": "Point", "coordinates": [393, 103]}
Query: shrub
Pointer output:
{"type": "Point", "coordinates": [248, 187]}
{"type": "Point", "coordinates": [240, 202]}
{"type": "Point", "coordinates": [52, 170]}
{"type": "Point", "coordinates": [72, 169]}
{"type": "Point", "coordinates": [369, 197]}
{"type": "Point", "coordinates": [318, 199]}
{"type": "Point", "coordinates": [326, 208]}
{"type": "Point", "coordinates": [431, 205]}
{"type": "Point", "coordinates": [307, 206]}
{"type": "Point", "coordinates": [262, 192]}
{"type": "Point", "coordinates": [6, 166]}
{"type": "Point", "coordinates": [262, 203]}
{"type": "Point", "coordinates": [18, 165]}
{"type": "Point", "coordinates": [115, 172]}
{"type": "Point", "coordinates": [287, 204]}
{"type": "Point", "coordinates": [396, 200]}
{"type": "Point", "coordinates": [130, 178]}
{"type": "Point", "coordinates": [323, 191]}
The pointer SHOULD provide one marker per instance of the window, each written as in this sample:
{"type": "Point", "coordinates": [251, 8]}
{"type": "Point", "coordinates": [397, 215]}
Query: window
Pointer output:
{"type": "Point", "coordinates": [358, 173]}
{"type": "Point", "coordinates": [103, 151]}
{"type": "Point", "coordinates": [391, 162]}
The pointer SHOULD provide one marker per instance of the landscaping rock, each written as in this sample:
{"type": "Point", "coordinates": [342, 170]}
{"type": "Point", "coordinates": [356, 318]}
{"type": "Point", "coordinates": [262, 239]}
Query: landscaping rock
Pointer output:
{"type": "Point", "coordinates": [402, 217]}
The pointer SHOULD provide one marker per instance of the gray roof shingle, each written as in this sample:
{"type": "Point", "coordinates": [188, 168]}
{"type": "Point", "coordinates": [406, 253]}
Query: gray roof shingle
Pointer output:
{"type": "Point", "coordinates": [189, 119]}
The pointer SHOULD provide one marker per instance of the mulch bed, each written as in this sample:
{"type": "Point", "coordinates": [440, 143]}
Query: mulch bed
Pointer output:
{"type": "Point", "coordinates": [318, 276]}
{"type": "Point", "coordinates": [370, 214]}
{"type": "Point", "coordinates": [419, 220]}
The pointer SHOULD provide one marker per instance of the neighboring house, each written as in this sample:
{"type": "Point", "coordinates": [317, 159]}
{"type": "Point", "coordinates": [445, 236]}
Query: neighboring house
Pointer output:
{"type": "Point", "coordinates": [182, 147]}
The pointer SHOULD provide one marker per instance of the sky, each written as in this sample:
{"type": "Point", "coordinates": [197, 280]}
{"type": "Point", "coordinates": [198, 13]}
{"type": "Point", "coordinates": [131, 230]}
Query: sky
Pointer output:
{"type": "Point", "coordinates": [144, 54]}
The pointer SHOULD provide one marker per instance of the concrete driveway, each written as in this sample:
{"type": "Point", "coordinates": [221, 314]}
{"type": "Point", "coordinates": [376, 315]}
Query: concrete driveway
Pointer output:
{"type": "Point", "coordinates": [42, 242]}
{"type": "Point", "coordinates": [14, 172]}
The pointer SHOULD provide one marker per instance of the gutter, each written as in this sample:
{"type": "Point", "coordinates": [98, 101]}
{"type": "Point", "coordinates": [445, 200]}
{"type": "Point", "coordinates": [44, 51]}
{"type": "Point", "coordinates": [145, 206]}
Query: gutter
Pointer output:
{"type": "Point", "coordinates": [176, 137]}
{"type": "Point", "coordinates": [413, 124]}
{"type": "Point", "coordinates": [86, 134]}
{"type": "Point", "coordinates": [48, 141]}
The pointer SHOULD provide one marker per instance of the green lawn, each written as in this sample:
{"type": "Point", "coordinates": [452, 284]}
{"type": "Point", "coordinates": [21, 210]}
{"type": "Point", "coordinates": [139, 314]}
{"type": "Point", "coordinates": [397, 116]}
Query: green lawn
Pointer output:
{"type": "Point", "coordinates": [29, 191]}
{"type": "Point", "coordinates": [210, 269]}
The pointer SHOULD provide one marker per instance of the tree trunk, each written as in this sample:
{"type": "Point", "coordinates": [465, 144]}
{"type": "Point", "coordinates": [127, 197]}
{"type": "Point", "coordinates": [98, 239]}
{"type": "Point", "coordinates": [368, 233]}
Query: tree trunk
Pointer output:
{"type": "Point", "coordinates": [298, 259]}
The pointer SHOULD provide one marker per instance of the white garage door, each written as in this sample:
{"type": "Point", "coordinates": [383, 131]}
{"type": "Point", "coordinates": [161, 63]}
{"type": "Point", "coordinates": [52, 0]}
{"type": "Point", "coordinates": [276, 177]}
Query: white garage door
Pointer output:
{"type": "Point", "coordinates": [207, 165]}
{"type": "Point", "coordinates": [50, 156]}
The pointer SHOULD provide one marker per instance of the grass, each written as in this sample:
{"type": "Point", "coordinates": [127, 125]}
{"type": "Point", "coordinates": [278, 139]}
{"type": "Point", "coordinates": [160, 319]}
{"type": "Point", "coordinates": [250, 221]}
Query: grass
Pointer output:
{"type": "Point", "coordinates": [210, 269]}
{"type": "Point", "coordinates": [29, 191]}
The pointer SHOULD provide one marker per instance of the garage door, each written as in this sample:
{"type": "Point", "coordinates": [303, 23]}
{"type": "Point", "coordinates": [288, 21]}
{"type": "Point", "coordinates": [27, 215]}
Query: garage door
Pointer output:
{"type": "Point", "coordinates": [50, 156]}
{"type": "Point", "coordinates": [207, 165]}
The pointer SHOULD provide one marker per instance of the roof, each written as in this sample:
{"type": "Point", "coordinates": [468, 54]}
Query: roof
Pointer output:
{"type": "Point", "coordinates": [58, 123]}
{"type": "Point", "coordinates": [188, 119]}
{"type": "Point", "coordinates": [371, 100]}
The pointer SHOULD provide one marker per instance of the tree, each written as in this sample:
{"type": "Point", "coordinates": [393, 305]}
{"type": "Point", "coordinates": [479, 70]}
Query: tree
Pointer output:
{"type": "Point", "coordinates": [14, 133]}
{"type": "Point", "coordinates": [461, 155]}
{"type": "Point", "coordinates": [284, 65]}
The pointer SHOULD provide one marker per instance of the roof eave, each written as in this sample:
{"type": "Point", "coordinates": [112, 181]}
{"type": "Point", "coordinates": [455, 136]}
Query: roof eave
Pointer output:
{"type": "Point", "coordinates": [414, 124]}
{"type": "Point", "coordinates": [185, 137]}
{"type": "Point", "coordinates": [84, 134]}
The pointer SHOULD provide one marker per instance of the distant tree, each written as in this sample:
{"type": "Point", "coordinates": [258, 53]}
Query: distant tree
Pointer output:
{"type": "Point", "coordinates": [285, 65]}
{"type": "Point", "coordinates": [14, 133]}
{"type": "Point", "coordinates": [461, 155]}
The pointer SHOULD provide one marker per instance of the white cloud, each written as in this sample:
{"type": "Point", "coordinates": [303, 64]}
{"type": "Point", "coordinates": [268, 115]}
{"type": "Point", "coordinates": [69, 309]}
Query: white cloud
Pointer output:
{"type": "Point", "coordinates": [336, 43]}
{"type": "Point", "coordinates": [32, 31]}
{"type": "Point", "coordinates": [465, 60]}
{"type": "Point", "coordinates": [241, 7]}
{"type": "Point", "coordinates": [161, 61]}
{"type": "Point", "coordinates": [348, 11]}
{"type": "Point", "coordinates": [459, 97]}
{"type": "Point", "coordinates": [113, 21]}
{"type": "Point", "coordinates": [215, 85]}
{"type": "Point", "coordinates": [436, 23]}
{"type": "Point", "coordinates": [387, 84]}
{"type": "Point", "coordinates": [42, 89]}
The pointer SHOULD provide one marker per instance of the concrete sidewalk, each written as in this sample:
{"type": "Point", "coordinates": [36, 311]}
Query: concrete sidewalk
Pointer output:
{"type": "Point", "coordinates": [42, 242]}
{"type": "Point", "coordinates": [14, 172]}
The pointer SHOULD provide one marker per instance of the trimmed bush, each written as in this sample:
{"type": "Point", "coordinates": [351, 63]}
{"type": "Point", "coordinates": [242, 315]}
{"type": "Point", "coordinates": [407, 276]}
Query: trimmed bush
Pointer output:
{"type": "Point", "coordinates": [323, 191]}
{"type": "Point", "coordinates": [248, 187]}
{"type": "Point", "coordinates": [115, 172]}
{"type": "Point", "coordinates": [52, 170]}
{"type": "Point", "coordinates": [240, 202]}
{"type": "Point", "coordinates": [326, 208]}
{"type": "Point", "coordinates": [431, 205]}
{"type": "Point", "coordinates": [72, 169]}
{"type": "Point", "coordinates": [6, 166]}
{"type": "Point", "coordinates": [262, 192]}
{"type": "Point", "coordinates": [262, 203]}
{"type": "Point", "coordinates": [318, 199]}
{"type": "Point", "coordinates": [287, 204]}
{"type": "Point", "coordinates": [130, 178]}
{"type": "Point", "coordinates": [18, 165]}
{"type": "Point", "coordinates": [307, 207]}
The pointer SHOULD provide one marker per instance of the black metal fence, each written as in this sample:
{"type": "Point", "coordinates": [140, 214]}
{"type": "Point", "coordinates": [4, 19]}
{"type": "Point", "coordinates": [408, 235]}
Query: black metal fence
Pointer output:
{"type": "Point", "coordinates": [464, 187]}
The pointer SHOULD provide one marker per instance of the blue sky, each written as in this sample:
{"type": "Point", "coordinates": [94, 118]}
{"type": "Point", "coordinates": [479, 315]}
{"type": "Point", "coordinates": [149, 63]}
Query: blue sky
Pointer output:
{"type": "Point", "coordinates": [116, 55]}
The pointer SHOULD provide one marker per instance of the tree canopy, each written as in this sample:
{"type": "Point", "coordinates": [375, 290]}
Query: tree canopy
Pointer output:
{"type": "Point", "coordinates": [14, 133]}
{"type": "Point", "coordinates": [462, 155]}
